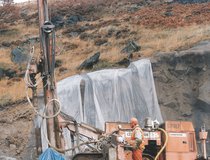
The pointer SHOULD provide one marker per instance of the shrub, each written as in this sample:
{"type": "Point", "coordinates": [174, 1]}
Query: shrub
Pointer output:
{"type": "Point", "coordinates": [9, 13]}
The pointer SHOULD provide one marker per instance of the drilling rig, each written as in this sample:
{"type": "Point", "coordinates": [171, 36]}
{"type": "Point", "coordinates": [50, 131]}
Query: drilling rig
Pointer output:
{"type": "Point", "coordinates": [91, 143]}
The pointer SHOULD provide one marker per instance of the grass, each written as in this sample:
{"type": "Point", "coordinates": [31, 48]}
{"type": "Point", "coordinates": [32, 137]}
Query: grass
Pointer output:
{"type": "Point", "coordinates": [11, 91]}
{"type": "Point", "coordinates": [156, 40]}
{"type": "Point", "coordinates": [150, 40]}
{"type": "Point", "coordinates": [5, 56]}
{"type": "Point", "coordinates": [9, 12]}
{"type": "Point", "coordinates": [16, 32]}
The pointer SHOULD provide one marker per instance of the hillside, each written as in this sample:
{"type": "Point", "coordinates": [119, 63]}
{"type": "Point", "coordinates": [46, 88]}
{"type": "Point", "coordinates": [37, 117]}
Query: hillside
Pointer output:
{"type": "Point", "coordinates": [81, 33]}
{"type": "Point", "coordinates": [120, 31]}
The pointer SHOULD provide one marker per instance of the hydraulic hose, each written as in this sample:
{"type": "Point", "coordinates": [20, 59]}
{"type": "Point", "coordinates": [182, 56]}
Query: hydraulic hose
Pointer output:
{"type": "Point", "coordinates": [164, 146]}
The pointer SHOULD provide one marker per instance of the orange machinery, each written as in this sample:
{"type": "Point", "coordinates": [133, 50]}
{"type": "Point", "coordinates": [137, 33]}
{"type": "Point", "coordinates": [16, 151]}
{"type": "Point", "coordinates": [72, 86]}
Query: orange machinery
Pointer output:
{"type": "Point", "coordinates": [181, 143]}
{"type": "Point", "coordinates": [152, 140]}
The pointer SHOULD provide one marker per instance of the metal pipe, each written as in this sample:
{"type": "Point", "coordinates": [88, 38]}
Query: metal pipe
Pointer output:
{"type": "Point", "coordinates": [203, 134]}
{"type": "Point", "coordinates": [47, 47]}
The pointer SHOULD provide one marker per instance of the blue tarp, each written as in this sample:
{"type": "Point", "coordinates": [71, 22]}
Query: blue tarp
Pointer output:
{"type": "Point", "coordinates": [50, 154]}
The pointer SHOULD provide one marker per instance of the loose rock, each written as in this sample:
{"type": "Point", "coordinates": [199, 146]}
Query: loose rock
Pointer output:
{"type": "Point", "coordinates": [18, 55]}
{"type": "Point", "coordinates": [74, 19]}
{"type": "Point", "coordinates": [99, 42]}
{"type": "Point", "coordinates": [124, 62]}
{"type": "Point", "coordinates": [57, 21]}
{"type": "Point", "coordinates": [131, 47]}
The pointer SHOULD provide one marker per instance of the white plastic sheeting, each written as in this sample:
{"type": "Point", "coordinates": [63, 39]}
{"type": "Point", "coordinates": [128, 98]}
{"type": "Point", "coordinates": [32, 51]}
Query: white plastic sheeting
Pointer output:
{"type": "Point", "coordinates": [70, 97]}
{"type": "Point", "coordinates": [111, 95]}
{"type": "Point", "coordinates": [107, 95]}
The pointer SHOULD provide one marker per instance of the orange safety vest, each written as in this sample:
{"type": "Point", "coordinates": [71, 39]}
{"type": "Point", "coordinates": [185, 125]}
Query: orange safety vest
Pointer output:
{"type": "Point", "coordinates": [137, 147]}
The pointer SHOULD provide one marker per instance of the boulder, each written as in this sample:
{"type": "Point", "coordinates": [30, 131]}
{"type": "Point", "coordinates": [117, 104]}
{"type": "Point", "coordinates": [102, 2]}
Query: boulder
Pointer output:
{"type": "Point", "coordinates": [75, 31]}
{"type": "Point", "coordinates": [124, 62]}
{"type": "Point", "coordinates": [74, 19]}
{"type": "Point", "coordinates": [6, 44]}
{"type": "Point", "coordinates": [88, 63]}
{"type": "Point", "coordinates": [99, 42]}
{"type": "Point", "coordinates": [18, 55]}
{"type": "Point", "coordinates": [122, 33]}
{"type": "Point", "coordinates": [133, 8]}
{"type": "Point", "coordinates": [10, 73]}
{"type": "Point", "coordinates": [57, 21]}
{"type": "Point", "coordinates": [58, 63]}
{"type": "Point", "coordinates": [131, 47]}
{"type": "Point", "coordinates": [24, 13]}
{"type": "Point", "coordinates": [33, 39]}
{"type": "Point", "coordinates": [63, 70]}
{"type": "Point", "coordinates": [168, 13]}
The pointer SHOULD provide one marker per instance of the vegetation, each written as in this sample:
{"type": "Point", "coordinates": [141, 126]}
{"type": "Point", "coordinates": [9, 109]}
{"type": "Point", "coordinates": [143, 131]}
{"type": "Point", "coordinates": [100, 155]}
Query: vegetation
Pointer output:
{"type": "Point", "coordinates": [114, 27]}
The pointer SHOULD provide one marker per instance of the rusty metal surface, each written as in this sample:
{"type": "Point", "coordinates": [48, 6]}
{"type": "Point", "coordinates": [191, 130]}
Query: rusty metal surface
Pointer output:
{"type": "Point", "coordinates": [86, 130]}
{"type": "Point", "coordinates": [179, 126]}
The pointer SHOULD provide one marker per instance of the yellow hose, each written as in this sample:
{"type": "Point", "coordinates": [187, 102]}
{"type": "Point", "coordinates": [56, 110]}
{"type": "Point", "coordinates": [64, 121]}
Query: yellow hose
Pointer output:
{"type": "Point", "coordinates": [164, 146]}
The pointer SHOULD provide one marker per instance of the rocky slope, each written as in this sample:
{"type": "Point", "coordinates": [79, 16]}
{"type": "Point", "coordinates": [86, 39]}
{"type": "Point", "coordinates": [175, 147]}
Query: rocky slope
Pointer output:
{"type": "Point", "coordinates": [182, 83]}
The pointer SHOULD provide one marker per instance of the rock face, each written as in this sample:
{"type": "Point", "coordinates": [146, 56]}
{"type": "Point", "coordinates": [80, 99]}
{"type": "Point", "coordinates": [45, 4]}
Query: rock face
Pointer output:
{"type": "Point", "coordinates": [183, 84]}
{"type": "Point", "coordinates": [204, 92]}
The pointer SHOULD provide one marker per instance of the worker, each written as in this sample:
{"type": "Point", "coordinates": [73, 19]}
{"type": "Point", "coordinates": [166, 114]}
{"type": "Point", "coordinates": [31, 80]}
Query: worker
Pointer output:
{"type": "Point", "coordinates": [137, 140]}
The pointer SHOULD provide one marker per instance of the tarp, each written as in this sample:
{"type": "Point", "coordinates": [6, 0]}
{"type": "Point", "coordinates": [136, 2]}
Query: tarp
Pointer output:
{"type": "Point", "coordinates": [50, 154]}
{"type": "Point", "coordinates": [110, 95]}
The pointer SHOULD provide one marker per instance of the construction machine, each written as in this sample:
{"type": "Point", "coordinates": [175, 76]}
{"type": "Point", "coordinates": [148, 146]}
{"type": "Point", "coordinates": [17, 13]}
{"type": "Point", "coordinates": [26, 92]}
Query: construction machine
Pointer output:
{"type": "Point", "coordinates": [173, 140]}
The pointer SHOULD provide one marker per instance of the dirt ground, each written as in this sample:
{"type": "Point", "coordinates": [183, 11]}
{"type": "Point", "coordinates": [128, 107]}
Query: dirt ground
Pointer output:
{"type": "Point", "coordinates": [15, 129]}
